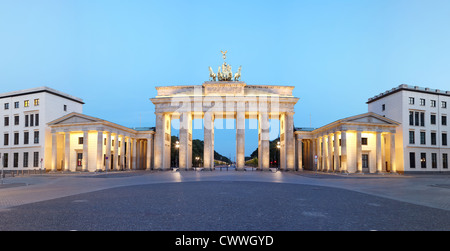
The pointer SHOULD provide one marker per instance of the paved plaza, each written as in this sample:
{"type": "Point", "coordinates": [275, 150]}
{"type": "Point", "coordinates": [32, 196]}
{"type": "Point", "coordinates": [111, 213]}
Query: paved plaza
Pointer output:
{"type": "Point", "coordinates": [221, 200]}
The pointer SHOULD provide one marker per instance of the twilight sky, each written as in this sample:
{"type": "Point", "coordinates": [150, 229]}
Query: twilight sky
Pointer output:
{"type": "Point", "coordinates": [112, 53]}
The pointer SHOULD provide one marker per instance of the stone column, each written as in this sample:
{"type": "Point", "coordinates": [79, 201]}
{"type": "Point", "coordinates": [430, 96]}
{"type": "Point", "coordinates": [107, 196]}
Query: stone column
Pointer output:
{"type": "Point", "coordinates": [344, 151]}
{"type": "Point", "coordinates": [290, 142]}
{"type": "Point", "coordinates": [330, 153]}
{"type": "Point", "coordinates": [336, 152]}
{"type": "Point", "coordinates": [240, 139]}
{"type": "Point", "coordinates": [67, 152]}
{"type": "Point", "coordinates": [319, 155]}
{"type": "Point", "coordinates": [358, 152]}
{"type": "Point", "coordinates": [282, 164]}
{"type": "Point", "coordinates": [108, 151]}
{"type": "Point", "coordinates": [134, 154]}
{"type": "Point", "coordinates": [162, 141]}
{"type": "Point", "coordinates": [129, 146]}
{"type": "Point", "coordinates": [264, 138]}
{"type": "Point", "coordinates": [149, 153]}
{"type": "Point", "coordinates": [85, 165]}
{"type": "Point", "coordinates": [379, 153]}
{"type": "Point", "coordinates": [122, 153]}
{"type": "Point", "coordinates": [116, 152]}
{"type": "Point", "coordinates": [100, 150]}
{"type": "Point", "coordinates": [314, 154]}
{"type": "Point", "coordinates": [208, 150]}
{"type": "Point", "coordinates": [54, 151]}
{"type": "Point", "coordinates": [185, 150]}
{"type": "Point", "coordinates": [300, 153]}
{"type": "Point", "coordinates": [392, 154]}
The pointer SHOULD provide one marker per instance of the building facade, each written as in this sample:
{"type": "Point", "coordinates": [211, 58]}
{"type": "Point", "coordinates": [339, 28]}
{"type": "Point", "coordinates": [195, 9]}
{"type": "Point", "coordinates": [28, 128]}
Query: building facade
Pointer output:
{"type": "Point", "coordinates": [25, 140]}
{"type": "Point", "coordinates": [422, 136]}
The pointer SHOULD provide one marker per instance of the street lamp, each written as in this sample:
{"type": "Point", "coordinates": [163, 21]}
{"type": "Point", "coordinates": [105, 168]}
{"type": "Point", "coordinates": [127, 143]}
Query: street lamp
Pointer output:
{"type": "Point", "coordinates": [177, 147]}
{"type": "Point", "coordinates": [198, 160]}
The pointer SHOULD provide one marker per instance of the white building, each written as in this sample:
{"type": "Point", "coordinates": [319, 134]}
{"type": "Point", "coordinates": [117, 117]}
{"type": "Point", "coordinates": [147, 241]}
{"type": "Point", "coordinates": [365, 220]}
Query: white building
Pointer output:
{"type": "Point", "coordinates": [422, 137]}
{"type": "Point", "coordinates": [25, 140]}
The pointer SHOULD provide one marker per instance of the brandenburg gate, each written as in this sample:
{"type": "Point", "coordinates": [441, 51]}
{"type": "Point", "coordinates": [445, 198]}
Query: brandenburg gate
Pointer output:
{"type": "Point", "coordinates": [224, 97]}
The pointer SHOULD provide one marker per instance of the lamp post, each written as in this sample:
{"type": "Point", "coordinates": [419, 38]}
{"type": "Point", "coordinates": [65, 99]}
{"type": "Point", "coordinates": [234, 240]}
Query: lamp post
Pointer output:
{"type": "Point", "coordinates": [177, 147]}
{"type": "Point", "coordinates": [278, 159]}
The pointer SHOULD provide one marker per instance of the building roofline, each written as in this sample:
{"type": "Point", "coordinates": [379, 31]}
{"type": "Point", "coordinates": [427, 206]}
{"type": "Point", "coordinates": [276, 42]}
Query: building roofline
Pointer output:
{"type": "Point", "coordinates": [404, 87]}
{"type": "Point", "coordinates": [39, 90]}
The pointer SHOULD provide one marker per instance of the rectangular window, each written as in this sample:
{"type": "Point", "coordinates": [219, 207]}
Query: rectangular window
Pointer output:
{"type": "Point", "coordinates": [65, 108]}
{"type": "Point", "coordinates": [411, 118]}
{"type": "Point", "coordinates": [412, 160]}
{"type": "Point", "coordinates": [444, 104]}
{"type": "Point", "coordinates": [16, 104]}
{"type": "Point", "coordinates": [26, 120]}
{"type": "Point", "coordinates": [364, 141]}
{"type": "Point", "coordinates": [433, 119]}
{"type": "Point", "coordinates": [16, 138]}
{"type": "Point", "coordinates": [16, 120]}
{"type": "Point", "coordinates": [444, 120]}
{"type": "Point", "coordinates": [416, 117]}
{"type": "Point", "coordinates": [36, 159]}
{"type": "Point", "coordinates": [26, 103]}
{"type": "Point", "coordinates": [6, 121]}
{"type": "Point", "coordinates": [36, 119]}
{"type": "Point", "coordinates": [31, 120]}
{"type": "Point", "coordinates": [422, 138]}
{"type": "Point", "coordinates": [423, 160]}
{"type": "Point", "coordinates": [26, 138]}
{"type": "Point", "coordinates": [80, 140]}
{"type": "Point", "coordinates": [433, 103]}
{"type": "Point", "coordinates": [433, 160]}
{"type": "Point", "coordinates": [445, 160]}
{"type": "Point", "coordinates": [36, 102]}
{"type": "Point", "coordinates": [422, 119]}
{"type": "Point", "coordinates": [5, 160]}
{"type": "Point", "coordinates": [444, 139]}
{"type": "Point", "coordinates": [433, 138]}
{"type": "Point", "coordinates": [6, 106]}
{"type": "Point", "coordinates": [412, 137]}
{"type": "Point", "coordinates": [16, 160]}
{"type": "Point", "coordinates": [6, 139]}
{"type": "Point", "coordinates": [422, 102]}
{"type": "Point", "coordinates": [383, 107]}
{"type": "Point", "coordinates": [25, 159]}
{"type": "Point", "coordinates": [36, 137]}
{"type": "Point", "coordinates": [411, 100]}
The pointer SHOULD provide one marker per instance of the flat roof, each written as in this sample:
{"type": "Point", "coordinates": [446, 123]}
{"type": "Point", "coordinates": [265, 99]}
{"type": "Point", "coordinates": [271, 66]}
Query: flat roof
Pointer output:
{"type": "Point", "coordinates": [408, 88]}
{"type": "Point", "coordinates": [41, 89]}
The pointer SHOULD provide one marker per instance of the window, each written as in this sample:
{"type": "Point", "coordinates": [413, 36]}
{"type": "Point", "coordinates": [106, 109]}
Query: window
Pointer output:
{"type": "Point", "coordinates": [79, 159]}
{"type": "Point", "coordinates": [5, 160]}
{"type": "Point", "coordinates": [412, 160]}
{"type": "Point", "coordinates": [36, 137]}
{"type": "Point", "coordinates": [25, 159]}
{"type": "Point", "coordinates": [423, 160]}
{"type": "Point", "coordinates": [411, 100]}
{"type": "Point", "coordinates": [411, 137]}
{"type": "Point", "coordinates": [445, 160]}
{"type": "Point", "coordinates": [6, 106]}
{"type": "Point", "coordinates": [416, 117]}
{"type": "Point", "coordinates": [16, 104]}
{"type": "Point", "coordinates": [80, 140]}
{"type": "Point", "coordinates": [26, 103]}
{"type": "Point", "coordinates": [444, 104]}
{"type": "Point", "coordinates": [16, 120]}
{"type": "Point", "coordinates": [31, 120]}
{"type": "Point", "coordinates": [411, 118]}
{"type": "Point", "coordinates": [433, 160]}
{"type": "Point", "coordinates": [433, 103]}
{"type": "Point", "coordinates": [36, 119]}
{"type": "Point", "coordinates": [422, 138]}
{"type": "Point", "coordinates": [16, 138]}
{"type": "Point", "coordinates": [422, 102]}
{"type": "Point", "coordinates": [16, 160]}
{"type": "Point", "coordinates": [65, 108]}
{"type": "Point", "coordinates": [422, 119]}
{"type": "Point", "coordinates": [36, 159]}
{"type": "Point", "coordinates": [433, 119]}
{"type": "Point", "coordinates": [26, 120]}
{"type": "Point", "coordinates": [26, 138]}
{"type": "Point", "coordinates": [444, 139]}
{"type": "Point", "coordinates": [433, 138]}
{"type": "Point", "coordinates": [36, 102]}
{"type": "Point", "coordinates": [364, 141]}
{"type": "Point", "coordinates": [6, 139]}
{"type": "Point", "coordinates": [383, 107]}
{"type": "Point", "coordinates": [444, 120]}
{"type": "Point", "coordinates": [6, 121]}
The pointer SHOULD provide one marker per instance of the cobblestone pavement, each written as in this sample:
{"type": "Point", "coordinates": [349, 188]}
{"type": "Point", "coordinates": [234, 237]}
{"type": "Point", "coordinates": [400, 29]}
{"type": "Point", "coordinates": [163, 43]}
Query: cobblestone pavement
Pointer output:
{"type": "Point", "coordinates": [397, 197]}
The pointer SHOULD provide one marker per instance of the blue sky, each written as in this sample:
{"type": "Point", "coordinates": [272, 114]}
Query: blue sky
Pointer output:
{"type": "Point", "coordinates": [113, 53]}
